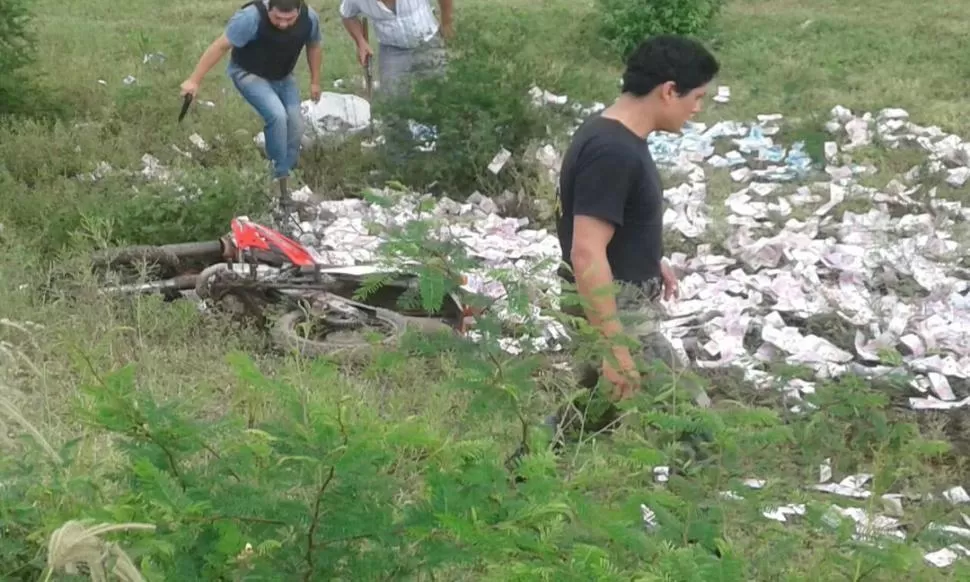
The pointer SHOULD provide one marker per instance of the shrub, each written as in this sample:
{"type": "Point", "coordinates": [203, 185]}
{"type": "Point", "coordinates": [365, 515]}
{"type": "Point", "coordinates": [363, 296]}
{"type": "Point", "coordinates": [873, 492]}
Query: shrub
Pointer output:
{"type": "Point", "coordinates": [291, 483]}
{"type": "Point", "coordinates": [626, 23]}
{"type": "Point", "coordinates": [481, 105]}
{"type": "Point", "coordinates": [323, 489]}
{"type": "Point", "coordinates": [16, 52]}
{"type": "Point", "coordinates": [198, 208]}
{"type": "Point", "coordinates": [302, 475]}
{"type": "Point", "coordinates": [120, 209]}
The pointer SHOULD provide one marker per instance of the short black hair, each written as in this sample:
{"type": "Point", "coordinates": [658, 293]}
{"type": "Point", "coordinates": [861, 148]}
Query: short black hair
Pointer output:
{"type": "Point", "coordinates": [285, 5]}
{"type": "Point", "coordinates": [668, 57]}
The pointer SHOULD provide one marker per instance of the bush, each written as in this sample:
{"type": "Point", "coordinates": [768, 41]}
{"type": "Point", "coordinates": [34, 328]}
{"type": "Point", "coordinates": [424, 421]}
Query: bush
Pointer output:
{"type": "Point", "coordinates": [120, 209]}
{"type": "Point", "coordinates": [199, 208]}
{"type": "Point", "coordinates": [16, 52]}
{"type": "Point", "coordinates": [310, 471]}
{"type": "Point", "coordinates": [293, 483]}
{"type": "Point", "coordinates": [481, 105]}
{"type": "Point", "coordinates": [322, 490]}
{"type": "Point", "coordinates": [626, 23]}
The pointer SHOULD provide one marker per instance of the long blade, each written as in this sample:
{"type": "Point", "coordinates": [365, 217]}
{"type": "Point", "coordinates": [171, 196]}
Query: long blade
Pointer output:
{"type": "Point", "coordinates": [186, 101]}
{"type": "Point", "coordinates": [369, 77]}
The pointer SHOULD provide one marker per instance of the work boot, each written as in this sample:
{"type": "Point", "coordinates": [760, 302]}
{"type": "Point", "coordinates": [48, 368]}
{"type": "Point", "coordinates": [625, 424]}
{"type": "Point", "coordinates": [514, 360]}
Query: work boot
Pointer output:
{"type": "Point", "coordinates": [284, 193]}
{"type": "Point", "coordinates": [278, 195]}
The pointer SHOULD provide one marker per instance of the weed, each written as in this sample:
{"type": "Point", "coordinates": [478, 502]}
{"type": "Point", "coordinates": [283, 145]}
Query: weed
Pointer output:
{"type": "Point", "coordinates": [16, 52]}
{"type": "Point", "coordinates": [480, 106]}
{"type": "Point", "coordinates": [625, 24]}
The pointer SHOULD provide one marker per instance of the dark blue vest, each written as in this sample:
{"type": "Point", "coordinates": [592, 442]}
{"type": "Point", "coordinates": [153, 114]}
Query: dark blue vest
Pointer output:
{"type": "Point", "coordinates": [273, 54]}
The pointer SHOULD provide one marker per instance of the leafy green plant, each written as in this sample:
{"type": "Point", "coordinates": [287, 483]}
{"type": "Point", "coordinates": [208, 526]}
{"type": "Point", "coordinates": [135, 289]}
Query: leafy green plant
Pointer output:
{"type": "Point", "coordinates": [16, 52]}
{"type": "Point", "coordinates": [198, 207]}
{"type": "Point", "coordinates": [478, 107]}
{"type": "Point", "coordinates": [303, 476]}
{"type": "Point", "coordinates": [437, 263]}
{"type": "Point", "coordinates": [624, 24]}
{"type": "Point", "coordinates": [322, 489]}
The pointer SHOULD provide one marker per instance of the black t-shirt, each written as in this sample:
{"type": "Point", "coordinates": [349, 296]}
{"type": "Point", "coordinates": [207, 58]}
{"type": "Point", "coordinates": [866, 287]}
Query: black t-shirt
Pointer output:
{"type": "Point", "coordinates": [608, 173]}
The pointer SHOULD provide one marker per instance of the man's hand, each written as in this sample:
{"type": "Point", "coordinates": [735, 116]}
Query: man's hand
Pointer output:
{"type": "Point", "coordinates": [670, 281]}
{"type": "Point", "coordinates": [189, 87]}
{"type": "Point", "coordinates": [594, 281]}
{"type": "Point", "coordinates": [624, 376]}
{"type": "Point", "coordinates": [212, 55]}
{"type": "Point", "coordinates": [447, 31]}
{"type": "Point", "coordinates": [447, 17]}
{"type": "Point", "coordinates": [363, 53]}
{"type": "Point", "coordinates": [314, 56]}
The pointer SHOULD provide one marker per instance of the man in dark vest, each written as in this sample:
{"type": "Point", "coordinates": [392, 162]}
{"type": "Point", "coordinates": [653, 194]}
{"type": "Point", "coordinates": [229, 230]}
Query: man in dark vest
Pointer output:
{"type": "Point", "coordinates": [266, 38]}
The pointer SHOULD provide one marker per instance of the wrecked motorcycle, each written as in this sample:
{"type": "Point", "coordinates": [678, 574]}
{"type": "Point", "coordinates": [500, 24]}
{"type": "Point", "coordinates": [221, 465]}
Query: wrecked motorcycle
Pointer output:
{"type": "Point", "coordinates": [255, 269]}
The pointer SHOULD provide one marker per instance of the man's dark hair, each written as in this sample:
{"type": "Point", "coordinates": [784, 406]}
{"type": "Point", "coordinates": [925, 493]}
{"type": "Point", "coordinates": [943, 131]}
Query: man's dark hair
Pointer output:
{"type": "Point", "coordinates": [285, 5]}
{"type": "Point", "coordinates": [668, 57]}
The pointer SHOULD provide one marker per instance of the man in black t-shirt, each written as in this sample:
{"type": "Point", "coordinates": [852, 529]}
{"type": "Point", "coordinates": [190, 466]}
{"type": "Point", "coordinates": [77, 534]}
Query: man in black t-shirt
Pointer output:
{"type": "Point", "coordinates": [611, 201]}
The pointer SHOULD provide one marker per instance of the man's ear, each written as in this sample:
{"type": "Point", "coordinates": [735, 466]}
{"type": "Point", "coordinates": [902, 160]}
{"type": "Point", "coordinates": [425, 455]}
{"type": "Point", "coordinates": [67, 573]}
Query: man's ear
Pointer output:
{"type": "Point", "coordinates": [668, 91]}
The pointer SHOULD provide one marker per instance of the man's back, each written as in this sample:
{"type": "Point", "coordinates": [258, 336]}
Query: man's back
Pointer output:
{"type": "Point", "coordinates": [608, 173]}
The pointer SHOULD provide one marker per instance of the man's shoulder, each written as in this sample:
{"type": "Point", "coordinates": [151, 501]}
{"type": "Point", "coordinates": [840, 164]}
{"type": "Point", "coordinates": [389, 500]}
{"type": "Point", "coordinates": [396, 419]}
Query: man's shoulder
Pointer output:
{"type": "Point", "coordinates": [601, 133]}
{"type": "Point", "coordinates": [249, 13]}
{"type": "Point", "coordinates": [252, 8]}
{"type": "Point", "coordinates": [312, 14]}
{"type": "Point", "coordinates": [243, 25]}
{"type": "Point", "coordinates": [602, 145]}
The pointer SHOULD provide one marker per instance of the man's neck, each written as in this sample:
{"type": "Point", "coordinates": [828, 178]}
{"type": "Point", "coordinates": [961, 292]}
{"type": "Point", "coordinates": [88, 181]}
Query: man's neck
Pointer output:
{"type": "Point", "coordinates": [629, 111]}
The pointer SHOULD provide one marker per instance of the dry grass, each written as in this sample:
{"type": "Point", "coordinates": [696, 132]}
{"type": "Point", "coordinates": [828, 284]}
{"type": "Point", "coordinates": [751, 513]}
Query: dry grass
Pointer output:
{"type": "Point", "coordinates": [77, 548]}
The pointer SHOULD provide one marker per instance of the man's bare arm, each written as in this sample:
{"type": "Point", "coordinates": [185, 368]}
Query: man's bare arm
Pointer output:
{"type": "Point", "coordinates": [446, 12]}
{"type": "Point", "coordinates": [356, 30]}
{"type": "Point", "coordinates": [210, 58]}
{"type": "Point", "coordinates": [314, 57]}
{"type": "Point", "coordinates": [594, 278]}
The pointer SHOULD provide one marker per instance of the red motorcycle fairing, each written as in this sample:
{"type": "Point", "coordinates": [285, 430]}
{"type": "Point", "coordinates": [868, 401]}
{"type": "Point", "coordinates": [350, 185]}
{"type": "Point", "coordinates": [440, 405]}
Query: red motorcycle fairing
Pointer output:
{"type": "Point", "coordinates": [248, 237]}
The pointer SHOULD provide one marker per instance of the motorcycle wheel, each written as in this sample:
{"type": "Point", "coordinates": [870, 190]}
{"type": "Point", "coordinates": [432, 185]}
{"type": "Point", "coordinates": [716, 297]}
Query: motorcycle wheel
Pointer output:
{"type": "Point", "coordinates": [288, 334]}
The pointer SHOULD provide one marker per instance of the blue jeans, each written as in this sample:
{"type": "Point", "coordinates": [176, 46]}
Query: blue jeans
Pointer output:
{"type": "Point", "coordinates": [278, 103]}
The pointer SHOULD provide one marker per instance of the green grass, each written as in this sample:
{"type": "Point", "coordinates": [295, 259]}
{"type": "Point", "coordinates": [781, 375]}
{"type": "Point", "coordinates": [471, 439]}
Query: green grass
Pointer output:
{"type": "Point", "coordinates": [795, 58]}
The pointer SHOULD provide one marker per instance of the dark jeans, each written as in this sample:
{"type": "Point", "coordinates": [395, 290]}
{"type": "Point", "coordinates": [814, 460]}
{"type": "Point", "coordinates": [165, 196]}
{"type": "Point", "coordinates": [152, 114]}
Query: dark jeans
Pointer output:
{"type": "Point", "coordinates": [640, 315]}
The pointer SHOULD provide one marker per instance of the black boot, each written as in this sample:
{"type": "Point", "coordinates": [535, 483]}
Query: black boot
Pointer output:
{"type": "Point", "coordinates": [279, 201]}
{"type": "Point", "coordinates": [284, 194]}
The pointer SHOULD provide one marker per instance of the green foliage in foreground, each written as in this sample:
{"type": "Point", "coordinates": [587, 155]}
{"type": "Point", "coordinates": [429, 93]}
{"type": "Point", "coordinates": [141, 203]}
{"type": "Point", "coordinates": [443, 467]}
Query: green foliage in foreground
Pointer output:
{"type": "Point", "coordinates": [303, 477]}
{"type": "Point", "coordinates": [326, 490]}
{"type": "Point", "coordinates": [321, 488]}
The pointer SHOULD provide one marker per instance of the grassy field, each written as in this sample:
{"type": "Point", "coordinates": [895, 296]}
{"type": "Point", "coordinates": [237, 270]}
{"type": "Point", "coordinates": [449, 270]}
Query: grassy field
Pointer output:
{"type": "Point", "coordinates": [418, 441]}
